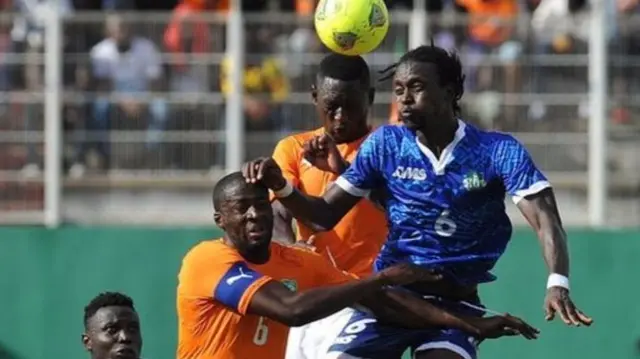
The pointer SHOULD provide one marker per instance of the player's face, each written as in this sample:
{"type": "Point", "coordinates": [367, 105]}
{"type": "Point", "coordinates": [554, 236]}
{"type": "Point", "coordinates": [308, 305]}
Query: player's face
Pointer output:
{"type": "Point", "coordinates": [247, 219]}
{"type": "Point", "coordinates": [421, 99]}
{"type": "Point", "coordinates": [343, 107]}
{"type": "Point", "coordinates": [113, 333]}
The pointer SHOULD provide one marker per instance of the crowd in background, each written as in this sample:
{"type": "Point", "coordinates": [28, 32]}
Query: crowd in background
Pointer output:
{"type": "Point", "coordinates": [500, 42]}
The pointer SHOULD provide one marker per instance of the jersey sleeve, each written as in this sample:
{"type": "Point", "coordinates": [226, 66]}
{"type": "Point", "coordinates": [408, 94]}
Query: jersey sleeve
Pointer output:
{"type": "Point", "coordinates": [286, 156]}
{"type": "Point", "coordinates": [520, 176]}
{"type": "Point", "coordinates": [365, 171]}
{"type": "Point", "coordinates": [238, 285]}
{"type": "Point", "coordinates": [227, 280]}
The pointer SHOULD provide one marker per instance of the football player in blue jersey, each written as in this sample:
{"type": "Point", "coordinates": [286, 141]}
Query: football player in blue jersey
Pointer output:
{"type": "Point", "coordinates": [444, 183]}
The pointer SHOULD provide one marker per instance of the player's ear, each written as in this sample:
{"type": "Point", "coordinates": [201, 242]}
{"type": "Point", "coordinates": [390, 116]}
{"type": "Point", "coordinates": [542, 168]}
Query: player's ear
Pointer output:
{"type": "Point", "coordinates": [217, 218]}
{"type": "Point", "coordinates": [372, 95]}
{"type": "Point", "coordinates": [314, 94]}
{"type": "Point", "coordinates": [86, 342]}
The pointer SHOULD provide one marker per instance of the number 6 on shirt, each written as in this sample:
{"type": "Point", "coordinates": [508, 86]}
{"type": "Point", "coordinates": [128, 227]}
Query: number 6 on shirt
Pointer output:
{"type": "Point", "coordinates": [262, 333]}
{"type": "Point", "coordinates": [444, 225]}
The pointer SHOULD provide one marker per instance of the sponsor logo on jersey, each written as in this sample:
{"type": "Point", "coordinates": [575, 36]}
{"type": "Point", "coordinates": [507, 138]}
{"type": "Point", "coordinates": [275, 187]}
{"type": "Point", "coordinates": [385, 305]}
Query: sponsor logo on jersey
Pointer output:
{"type": "Point", "coordinates": [416, 174]}
{"type": "Point", "coordinates": [473, 181]}
{"type": "Point", "coordinates": [291, 284]}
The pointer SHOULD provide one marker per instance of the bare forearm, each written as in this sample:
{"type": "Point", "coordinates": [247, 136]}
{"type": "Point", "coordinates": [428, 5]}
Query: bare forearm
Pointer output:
{"type": "Point", "coordinates": [311, 305]}
{"type": "Point", "coordinates": [405, 310]}
{"type": "Point", "coordinates": [314, 211]}
{"type": "Point", "coordinates": [555, 249]}
{"type": "Point", "coordinates": [542, 213]}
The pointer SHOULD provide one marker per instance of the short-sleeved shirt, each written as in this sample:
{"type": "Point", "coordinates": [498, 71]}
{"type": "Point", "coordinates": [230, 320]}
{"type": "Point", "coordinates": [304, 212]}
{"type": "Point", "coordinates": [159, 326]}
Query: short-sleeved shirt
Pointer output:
{"type": "Point", "coordinates": [216, 286]}
{"type": "Point", "coordinates": [356, 240]}
{"type": "Point", "coordinates": [446, 212]}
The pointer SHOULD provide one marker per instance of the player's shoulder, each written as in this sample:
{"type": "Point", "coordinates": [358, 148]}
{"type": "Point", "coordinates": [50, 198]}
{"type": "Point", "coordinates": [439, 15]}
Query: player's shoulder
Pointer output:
{"type": "Point", "coordinates": [296, 141]}
{"type": "Point", "coordinates": [212, 252]}
{"type": "Point", "coordinates": [389, 134]}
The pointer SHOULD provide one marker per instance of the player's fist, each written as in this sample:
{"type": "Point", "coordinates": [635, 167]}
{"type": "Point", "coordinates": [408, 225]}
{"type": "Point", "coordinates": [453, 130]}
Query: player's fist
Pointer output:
{"type": "Point", "coordinates": [557, 301]}
{"type": "Point", "coordinates": [322, 152]}
{"type": "Point", "coordinates": [266, 171]}
{"type": "Point", "coordinates": [503, 325]}
{"type": "Point", "coordinates": [406, 273]}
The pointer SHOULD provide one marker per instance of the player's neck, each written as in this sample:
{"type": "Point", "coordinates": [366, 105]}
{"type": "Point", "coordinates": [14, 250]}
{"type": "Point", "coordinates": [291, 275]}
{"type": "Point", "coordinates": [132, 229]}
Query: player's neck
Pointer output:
{"type": "Point", "coordinates": [356, 136]}
{"type": "Point", "coordinates": [257, 256]}
{"type": "Point", "coordinates": [438, 138]}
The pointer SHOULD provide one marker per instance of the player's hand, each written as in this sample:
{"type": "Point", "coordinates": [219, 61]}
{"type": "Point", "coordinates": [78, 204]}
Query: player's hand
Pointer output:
{"type": "Point", "coordinates": [266, 171]}
{"type": "Point", "coordinates": [503, 325]}
{"type": "Point", "coordinates": [307, 244]}
{"type": "Point", "coordinates": [322, 152]}
{"type": "Point", "coordinates": [406, 273]}
{"type": "Point", "coordinates": [558, 302]}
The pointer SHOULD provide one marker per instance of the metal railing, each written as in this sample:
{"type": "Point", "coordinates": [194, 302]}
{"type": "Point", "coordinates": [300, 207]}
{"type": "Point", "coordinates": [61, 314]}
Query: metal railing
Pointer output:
{"type": "Point", "coordinates": [183, 131]}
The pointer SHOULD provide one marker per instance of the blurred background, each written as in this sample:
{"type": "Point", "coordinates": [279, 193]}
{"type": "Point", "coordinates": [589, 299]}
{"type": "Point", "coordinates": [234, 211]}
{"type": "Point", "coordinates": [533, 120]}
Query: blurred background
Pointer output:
{"type": "Point", "coordinates": [118, 116]}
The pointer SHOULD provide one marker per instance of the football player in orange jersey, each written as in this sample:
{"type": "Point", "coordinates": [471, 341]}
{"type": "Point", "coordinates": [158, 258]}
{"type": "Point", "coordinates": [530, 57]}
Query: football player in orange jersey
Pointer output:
{"type": "Point", "coordinates": [237, 296]}
{"type": "Point", "coordinates": [342, 95]}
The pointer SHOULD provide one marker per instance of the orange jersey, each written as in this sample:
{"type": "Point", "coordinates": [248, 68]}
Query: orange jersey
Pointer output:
{"type": "Point", "coordinates": [356, 240]}
{"type": "Point", "coordinates": [215, 288]}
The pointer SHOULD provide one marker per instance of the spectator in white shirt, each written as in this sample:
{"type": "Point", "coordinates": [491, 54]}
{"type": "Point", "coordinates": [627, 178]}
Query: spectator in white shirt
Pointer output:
{"type": "Point", "coordinates": [127, 64]}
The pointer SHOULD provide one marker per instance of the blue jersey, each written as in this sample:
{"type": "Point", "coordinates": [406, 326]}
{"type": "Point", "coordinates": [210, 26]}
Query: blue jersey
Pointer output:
{"type": "Point", "coordinates": [447, 213]}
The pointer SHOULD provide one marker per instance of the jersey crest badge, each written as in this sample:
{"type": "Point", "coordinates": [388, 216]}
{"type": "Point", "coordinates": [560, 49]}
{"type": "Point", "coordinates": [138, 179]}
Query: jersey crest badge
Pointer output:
{"type": "Point", "coordinates": [291, 284]}
{"type": "Point", "coordinates": [473, 181]}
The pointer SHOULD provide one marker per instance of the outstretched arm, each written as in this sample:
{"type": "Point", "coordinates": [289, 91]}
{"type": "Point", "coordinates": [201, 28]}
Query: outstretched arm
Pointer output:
{"type": "Point", "coordinates": [541, 212]}
{"type": "Point", "coordinates": [399, 308]}
{"type": "Point", "coordinates": [274, 300]}
{"type": "Point", "coordinates": [533, 195]}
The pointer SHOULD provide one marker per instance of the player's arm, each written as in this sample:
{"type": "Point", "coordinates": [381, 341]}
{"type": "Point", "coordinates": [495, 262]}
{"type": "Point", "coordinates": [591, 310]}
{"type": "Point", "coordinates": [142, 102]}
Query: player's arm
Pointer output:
{"type": "Point", "coordinates": [275, 301]}
{"type": "Point", "coordinates": [287, 155]}
{"type": "Point", "coordinates": [402, 309]}
{"type": "Point", "coordinates": [282, 224]}
{"type": "Point", "coordinates": [326, 211]}
{"type": "Point", "coordinates": [532, 193]}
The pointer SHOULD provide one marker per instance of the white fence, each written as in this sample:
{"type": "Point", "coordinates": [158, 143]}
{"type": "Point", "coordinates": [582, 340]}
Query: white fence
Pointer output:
{"type": "Point", "coordinates": [69, 151]}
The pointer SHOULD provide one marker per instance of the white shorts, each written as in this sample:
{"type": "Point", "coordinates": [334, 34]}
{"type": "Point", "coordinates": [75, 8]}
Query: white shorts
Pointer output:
{"type": "Point", "coordinates": [312, 341]}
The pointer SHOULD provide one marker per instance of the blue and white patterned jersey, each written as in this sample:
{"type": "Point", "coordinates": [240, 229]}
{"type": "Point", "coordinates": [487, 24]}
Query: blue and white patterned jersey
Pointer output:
{"type": "Point", "coordinates": [448, 213]}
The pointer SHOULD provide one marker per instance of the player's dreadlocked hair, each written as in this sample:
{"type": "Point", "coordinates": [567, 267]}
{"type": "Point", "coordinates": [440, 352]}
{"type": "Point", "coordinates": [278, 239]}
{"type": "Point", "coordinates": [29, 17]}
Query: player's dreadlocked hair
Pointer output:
{"type": "Point", "coordinates": [107, 299]}
{"type": "Point", "coordinates": [345, 68]}
{"type": "Point", "coordinates": [448, 64]}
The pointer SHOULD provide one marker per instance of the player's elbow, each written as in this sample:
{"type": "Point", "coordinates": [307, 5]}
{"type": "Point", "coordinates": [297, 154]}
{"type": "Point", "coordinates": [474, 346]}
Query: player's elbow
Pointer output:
{"type": "Point", "coordinates": [295, 316]}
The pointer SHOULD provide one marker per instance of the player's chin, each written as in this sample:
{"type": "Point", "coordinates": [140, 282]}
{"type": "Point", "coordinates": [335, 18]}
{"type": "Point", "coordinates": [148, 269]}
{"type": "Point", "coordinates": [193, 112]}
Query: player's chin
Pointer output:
{"type": "Point", "coordinates": [259, 239]}
{"type": "Point", "coordinates": [125, 353]}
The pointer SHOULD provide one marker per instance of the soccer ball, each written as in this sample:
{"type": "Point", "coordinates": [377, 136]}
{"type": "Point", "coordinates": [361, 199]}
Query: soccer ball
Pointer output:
{"type": "Point", "coordinates": [351, 27]}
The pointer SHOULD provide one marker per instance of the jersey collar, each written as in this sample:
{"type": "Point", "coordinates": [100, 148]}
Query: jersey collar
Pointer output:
{"type": "Point", "coordinates": [439, 164]}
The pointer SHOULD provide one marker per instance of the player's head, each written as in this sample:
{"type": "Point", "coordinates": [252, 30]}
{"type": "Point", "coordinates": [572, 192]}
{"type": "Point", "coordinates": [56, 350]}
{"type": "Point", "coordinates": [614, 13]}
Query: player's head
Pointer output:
{"type": "Point", "coordinates": [112, 327]}
{"type": "Point", "coordinates": [427, 83]}
{"type": "Point", "coordinates": [243, 211]}
{"type": "Point", "coordinates": [342, 95]}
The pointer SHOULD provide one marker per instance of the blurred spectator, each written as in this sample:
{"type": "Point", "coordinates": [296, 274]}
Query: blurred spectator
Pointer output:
{"type": "Point", "coordinates": [265, 83]}
{"type": "Point", "coordinates": [562, 27]}
{"type": "Point", "coordinates": [28, 38]}
{"type": "Point", "coordinates": [186, 37]}
{"type": "Point", "coordinates": [125, 64]}
{"type": "Point", "coordinates": [628, 44]}
{"type": "Point", "coordinates": [491, 30]}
